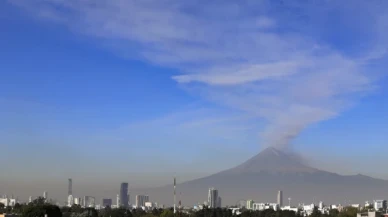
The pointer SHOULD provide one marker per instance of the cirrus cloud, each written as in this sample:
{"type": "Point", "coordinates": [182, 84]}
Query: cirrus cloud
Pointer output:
{"type": "Point", "coordinates": [287, 64]}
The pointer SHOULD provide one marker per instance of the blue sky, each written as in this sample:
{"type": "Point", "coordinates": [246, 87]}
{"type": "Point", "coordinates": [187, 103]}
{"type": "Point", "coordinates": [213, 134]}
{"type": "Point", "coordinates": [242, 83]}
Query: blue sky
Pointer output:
{"type": "Point", "coordinates": [156, 88]}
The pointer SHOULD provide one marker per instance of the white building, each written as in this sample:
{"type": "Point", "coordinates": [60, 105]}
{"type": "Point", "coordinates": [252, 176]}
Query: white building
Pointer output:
{"type": "Point", "coordinates": [12, 202]}
{"type": "Point", "coordinates": [263, 206]}
{"type": "Point", "coordinates": [295, 209]}
{"type": "Point", "coordinates": [149, 205]}
{"type": "Point", "coordinates": [380, 204]}
{"type": "Point", "coordinates": [321, 205]}
{"type": "Point", "coordinates": [358, 206]}
{"type": "Point", "coordinates": [235, 211]}
{"type": "Point", "coordinates": [258, 206]}
{"type": "Point", "coordinates": [274, 206]}
{"type": "Point", "coordinates": [280, 198]}
{"type": "Point", "coordinates": [4, 201]}
{"type": "Point", "coordinates": [45, 195]}
{"type": "Point", "coordinates": [77, 201]}
{"type": "Point", "coordinates": [30, 199]}
{"type": "Point", "coordinates": [70, 200]}
{"type": "Point", "coordinates": [369, 214]}
{"type": "Point", "coordinates": [308, 208]}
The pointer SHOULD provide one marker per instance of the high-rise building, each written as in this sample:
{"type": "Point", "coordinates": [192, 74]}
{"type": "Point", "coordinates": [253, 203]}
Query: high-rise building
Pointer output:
{"type": "Point", "coordinates": [141, 200]}
{"type": "Point", "coordinates": [77, 201]}
{"type": "Point", "coordinates": [45, 195]}
{"type": "Point", "coordinates": [212, 198]}
{"type": "Point", "coordinates": [118, 201]}
{"type": "Point", "coordinates": [106, 202]}
{"type": "Point", "coordinates": [70, 200]}
{"type": "Point", "coordinates": [250, 204]}
{"type": "Point", "coordinates": [321, 205]}
{"type": "Point", "coordinates": [280, 198]}
{"type": "Point", "coordinates": [70, 187]}
{"type": "Point", "coordinates": [124, 196]}
{"type": "Point", "coordinates": [219, 202]}
{"type": "Point", "coordinates": [30, 199]}
{"type": "Point", "coordinates": [89, 201]}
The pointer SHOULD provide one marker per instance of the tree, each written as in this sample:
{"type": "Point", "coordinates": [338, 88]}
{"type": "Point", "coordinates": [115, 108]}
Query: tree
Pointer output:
{"type": "Point", "coordinates": [149, 215]}
{"type": "Point", "coordinates": [157, 212]}
{"type": "Point", "coordinates": [2, 206]}
{"type": "Point", "coordinates": [39, 201]}
{"type": "Point", "coordinates": [348, 212]}
{"type": "Point", "coordinates": [316, 212]}
{"type": "Point", "coordinates": [38, 208]}
{"type": "Point", "coordinates": [333, 213]}
{"type": "Point", "coordinates": [18, 208]}
{"type": "Point", "coordinates": [119, 212]}
{"type": "Point", "coordinates": [138, 212]}
{"type": "Point", "coordinates": [167, 213]}
{"type": "Point", "coordinates": [8, 209]}
{"type": "Point", "coordinates": [75, 208]}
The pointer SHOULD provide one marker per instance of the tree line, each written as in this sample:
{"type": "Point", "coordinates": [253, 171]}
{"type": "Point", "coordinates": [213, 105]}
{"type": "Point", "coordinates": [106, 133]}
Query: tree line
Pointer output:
{"type": "Point", "coordinates": [39, 208]}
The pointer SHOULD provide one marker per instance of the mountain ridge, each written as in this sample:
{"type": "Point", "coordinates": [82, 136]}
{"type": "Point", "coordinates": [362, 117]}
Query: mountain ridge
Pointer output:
{"type": "Point", "coordinates": [261, 176]}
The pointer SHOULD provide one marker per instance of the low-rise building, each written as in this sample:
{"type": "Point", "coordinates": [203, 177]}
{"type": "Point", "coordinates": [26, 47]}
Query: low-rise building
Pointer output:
{"type": "Point", "coordinates": [380, 205]}
{"type": "Point", "coordinates": [369, 214]}
{"type": "Point", "coordinates": [295, 209]}
{"type": "Point", "coordinates": [263, 206]}
{"type": "Point", "coordinates": [149, 205]}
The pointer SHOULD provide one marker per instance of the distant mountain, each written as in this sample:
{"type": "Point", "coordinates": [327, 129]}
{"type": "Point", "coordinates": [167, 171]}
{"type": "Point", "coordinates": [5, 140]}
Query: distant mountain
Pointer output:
{"type": "Point", "coordinates": [271, 160]}
{"type": "Point", "coordinates": [271, 170]}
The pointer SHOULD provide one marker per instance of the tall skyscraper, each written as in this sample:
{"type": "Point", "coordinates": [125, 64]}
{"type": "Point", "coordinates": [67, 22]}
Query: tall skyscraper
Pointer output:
{"type": "Point", "coordinates": [70, 198]}
{"type": "Point", "coordinates": [124, 197]}
{"type": "Point", "coordinates": [118, 201]}
{"type": "Point", "coordinates": [30, 199]}
{"type": "Point", "coordinates": [70, 187]}
{"type": "Point", "coordinates": [280, 198]}
{"type": "Point", "coordinates": [141, 200]}
{"type": "Point", "coordinates": [45, 195]}
{"type": "Point", "coordinates": [212, 198]}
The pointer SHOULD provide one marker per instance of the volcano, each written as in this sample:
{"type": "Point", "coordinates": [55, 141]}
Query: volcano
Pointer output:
{"type": "Point", "coordinates": [272, 160]}
{"type": "Point", "coordinates": [260, 177]}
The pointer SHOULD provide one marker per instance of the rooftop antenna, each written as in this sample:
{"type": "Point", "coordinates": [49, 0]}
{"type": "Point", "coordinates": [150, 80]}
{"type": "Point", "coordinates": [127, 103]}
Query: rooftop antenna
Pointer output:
{"type": "Point", "coordinates": [174, 195]}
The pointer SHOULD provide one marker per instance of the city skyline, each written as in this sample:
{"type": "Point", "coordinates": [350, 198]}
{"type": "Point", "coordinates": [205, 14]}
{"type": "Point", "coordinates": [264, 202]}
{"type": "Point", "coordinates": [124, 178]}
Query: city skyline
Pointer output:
{"type": "Point", "coordinates": [142, 91]}
{"type": "Point", "coordinates": [214, 201]}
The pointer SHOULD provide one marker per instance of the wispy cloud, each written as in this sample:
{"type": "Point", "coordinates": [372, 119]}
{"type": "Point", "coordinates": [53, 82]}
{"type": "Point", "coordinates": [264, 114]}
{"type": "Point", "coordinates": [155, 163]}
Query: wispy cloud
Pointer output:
{"type": "Point", "coordinates": [284, 63]}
